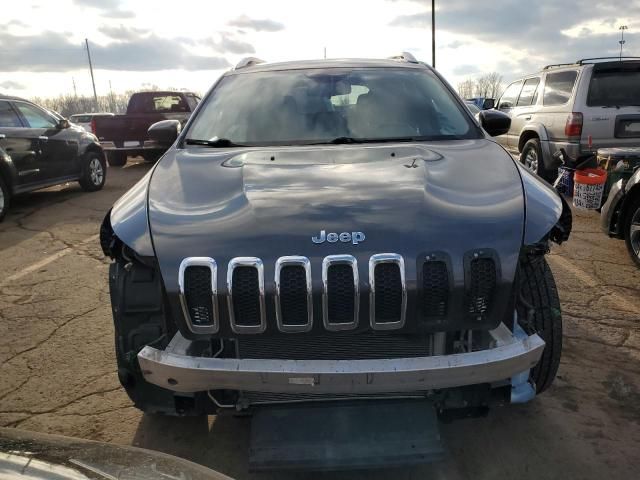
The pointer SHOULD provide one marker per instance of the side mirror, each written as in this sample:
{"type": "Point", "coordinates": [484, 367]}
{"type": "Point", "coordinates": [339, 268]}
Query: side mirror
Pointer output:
{"type": "Point", "coordinates": [488, 103]}
{"type": "Point", "coordinates": [165, 132]}
{"type": "Point", "coordinates": [494, 122]}
{"type": "Point", "coordinates": [63, 123]}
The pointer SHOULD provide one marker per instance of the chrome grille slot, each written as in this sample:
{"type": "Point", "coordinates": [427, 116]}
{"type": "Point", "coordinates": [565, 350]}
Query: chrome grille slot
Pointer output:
{"type": "Point", "coordinates": [197, 279]}
{"type": "Point", "coordinates": [481, 287]}
{"type": "Point", "coordinates": [388, 294]}
{"type": "Point", "coordinates": [245, 282]}
{"type": "Point", "coordinates": [294, 302]}
{"type": "Point", "coordinates": [341, 293]}
{"type": "Point", "coordinates": [435, 289]}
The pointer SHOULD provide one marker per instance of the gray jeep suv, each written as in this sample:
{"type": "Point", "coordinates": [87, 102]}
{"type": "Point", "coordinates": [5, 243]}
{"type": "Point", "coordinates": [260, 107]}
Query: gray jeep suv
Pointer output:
{"type": "Point", "coordinates": [567, 106]}
{"type": "Point", "coordinates": [334, 230]}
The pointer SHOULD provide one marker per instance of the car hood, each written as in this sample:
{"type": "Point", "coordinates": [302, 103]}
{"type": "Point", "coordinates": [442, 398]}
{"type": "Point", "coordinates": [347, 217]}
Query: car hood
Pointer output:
{"type": "Point", "coordinates": [408, 199]}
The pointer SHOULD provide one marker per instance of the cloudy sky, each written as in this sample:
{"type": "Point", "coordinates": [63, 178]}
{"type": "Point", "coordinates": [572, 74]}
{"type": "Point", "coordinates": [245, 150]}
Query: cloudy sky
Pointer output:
{"type": "Point", "coordinates": [188, 44]}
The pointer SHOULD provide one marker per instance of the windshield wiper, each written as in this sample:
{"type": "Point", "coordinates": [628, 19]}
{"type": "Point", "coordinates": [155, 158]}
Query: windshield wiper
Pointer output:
{"type": "Point", "coordinates": [348, 140]}
{"type": "Point", "coordinates": [217, 143]}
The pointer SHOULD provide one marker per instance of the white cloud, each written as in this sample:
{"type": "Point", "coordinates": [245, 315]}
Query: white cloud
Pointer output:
{"type": "Point", "coordinates": [138, 41]}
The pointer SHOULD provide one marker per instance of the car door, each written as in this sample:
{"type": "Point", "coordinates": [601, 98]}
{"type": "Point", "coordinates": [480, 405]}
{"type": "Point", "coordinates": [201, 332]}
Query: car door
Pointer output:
{"type": "Point", "coordinates": [58, 147]}
{"type": "Point", "coordinates": [18, 142]}
{"type": "Point", "coordinates": [507, 104]}
{"type": "Point", "coordinates": [523, 111]}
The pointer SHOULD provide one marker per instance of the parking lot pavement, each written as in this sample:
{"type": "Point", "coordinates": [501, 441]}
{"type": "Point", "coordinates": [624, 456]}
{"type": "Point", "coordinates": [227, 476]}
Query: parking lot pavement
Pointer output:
{"type": "Point", "coordinates": [57, 372]}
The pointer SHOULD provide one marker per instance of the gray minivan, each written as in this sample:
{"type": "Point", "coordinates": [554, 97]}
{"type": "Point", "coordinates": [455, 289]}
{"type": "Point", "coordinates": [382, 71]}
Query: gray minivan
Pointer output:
{"type": "Point", "coordinates": [583, 106]}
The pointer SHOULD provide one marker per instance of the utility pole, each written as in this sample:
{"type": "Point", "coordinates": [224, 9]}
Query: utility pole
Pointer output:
{"type": "Point", "coordinates": [433, 33]}
{"type": "Point", "coordinates": [622, 40]}
{"type": "Point", "coordinates": [325, 53]}
{"type": "Point", "coordinates": [93, 82]}
{"type": "Point", "coordinates": [75, 92]}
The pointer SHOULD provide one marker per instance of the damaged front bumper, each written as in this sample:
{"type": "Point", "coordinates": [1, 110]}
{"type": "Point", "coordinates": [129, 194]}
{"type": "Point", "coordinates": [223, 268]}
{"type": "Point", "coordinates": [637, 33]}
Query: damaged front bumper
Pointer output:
{"type": "Point", "coordinates": [176, 370]}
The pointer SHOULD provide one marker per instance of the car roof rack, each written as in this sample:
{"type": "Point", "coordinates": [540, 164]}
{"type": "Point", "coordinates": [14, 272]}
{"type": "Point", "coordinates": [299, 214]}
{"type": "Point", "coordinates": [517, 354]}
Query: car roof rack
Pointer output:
{"type": "Point", "coordinates": [597, 59]}
{"type": "Point", "coordinates": [404, 57]}
{"type": "Point", "coordinates": [585, 61]}
{"type": "Point", "coordinates": [557, 65]}
{"type": "Point", "coordinates": [248, 62]}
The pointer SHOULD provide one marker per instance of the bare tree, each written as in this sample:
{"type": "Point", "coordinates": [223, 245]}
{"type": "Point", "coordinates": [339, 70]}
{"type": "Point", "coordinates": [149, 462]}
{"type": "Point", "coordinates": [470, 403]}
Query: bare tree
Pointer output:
{"type": "Point", "coordinates": [465, 89]}
{"type": "Point", "coordinates": [488, 85]}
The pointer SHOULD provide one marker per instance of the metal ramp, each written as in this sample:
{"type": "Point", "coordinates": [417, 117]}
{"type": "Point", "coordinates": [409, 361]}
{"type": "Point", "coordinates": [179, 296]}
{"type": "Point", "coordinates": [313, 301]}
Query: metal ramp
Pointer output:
{"type": "Point", "coordinates": [344, 435]}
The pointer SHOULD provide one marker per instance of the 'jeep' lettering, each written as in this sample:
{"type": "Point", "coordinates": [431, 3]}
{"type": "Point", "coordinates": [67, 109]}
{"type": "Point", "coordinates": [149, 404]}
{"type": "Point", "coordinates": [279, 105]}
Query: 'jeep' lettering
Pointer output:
{"type": "Point", "coordinates": [344, 237]}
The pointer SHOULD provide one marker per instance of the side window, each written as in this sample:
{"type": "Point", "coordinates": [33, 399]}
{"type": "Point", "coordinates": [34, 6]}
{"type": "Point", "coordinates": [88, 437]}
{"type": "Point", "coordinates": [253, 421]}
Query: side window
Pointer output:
{"type": "Point", "coordinates": [35, 117]}
{"type": "Point", "coordinates": [508, 99]}
{"type": "Point", "coordinates": [558, 87]}
{"type": "Point", "coordinates": [529, 93]}
{"type": "Point", "coordinates": [8, 117]}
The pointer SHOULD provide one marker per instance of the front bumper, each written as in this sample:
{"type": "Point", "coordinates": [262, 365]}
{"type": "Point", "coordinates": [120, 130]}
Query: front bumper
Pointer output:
{"type": "Point", "coordinates": [175, 370]}
{"type": "Point", "coordinates": [146, 145]}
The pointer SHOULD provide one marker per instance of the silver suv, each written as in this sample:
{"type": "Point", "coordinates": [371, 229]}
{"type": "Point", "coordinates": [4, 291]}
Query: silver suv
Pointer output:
{"type": "Point", "coordinates": [583, 106]}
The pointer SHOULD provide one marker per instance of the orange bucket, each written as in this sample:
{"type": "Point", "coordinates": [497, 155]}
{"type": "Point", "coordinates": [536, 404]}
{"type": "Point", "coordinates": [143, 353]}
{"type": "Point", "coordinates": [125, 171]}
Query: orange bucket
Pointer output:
{"type": "Point", "coordinates": [588, 187]}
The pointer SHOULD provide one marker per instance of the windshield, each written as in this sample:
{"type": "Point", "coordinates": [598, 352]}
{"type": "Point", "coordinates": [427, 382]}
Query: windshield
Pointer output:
{"type": "Point", "coordinates": [614, 87]}
{"type": "Point", "coordinates": [316, 106]}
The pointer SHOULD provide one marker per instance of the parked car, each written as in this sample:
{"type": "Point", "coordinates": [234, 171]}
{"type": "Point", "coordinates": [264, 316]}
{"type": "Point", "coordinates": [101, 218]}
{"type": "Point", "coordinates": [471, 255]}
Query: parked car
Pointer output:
{"type": "Point", "coordinates": [582, 106]}
{"type": "Point", "coordinates": [125, 135]}
{"type": "Point", "coordinates": [38, 456]}
{"type": "Point", "coordinates": [85, 120]}
{"type": "Point", "coordinates": [483, 103]}
{"type": "Point", "coordinates": [473, 108]}
{"type": "Point", "coordinates": [330, 230]}
{"type": "Point", "coordinates": [38, 150]}
{"type": "Point", "coordinates": [620, 216]}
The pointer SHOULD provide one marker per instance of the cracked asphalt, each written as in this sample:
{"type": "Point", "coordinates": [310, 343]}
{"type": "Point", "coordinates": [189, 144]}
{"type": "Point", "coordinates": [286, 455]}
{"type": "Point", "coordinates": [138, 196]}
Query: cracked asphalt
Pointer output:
{"type": "Point", "coordinates": [57, 372]}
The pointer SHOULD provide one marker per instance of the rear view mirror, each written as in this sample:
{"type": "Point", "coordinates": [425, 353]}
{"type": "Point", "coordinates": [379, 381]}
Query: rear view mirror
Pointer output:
{"type": "Point", "coordinates": [165, 132]}
{"type": "Point", "coordinates": [494, 122]}
{"type": "Point", "coordinates": [488, 103]}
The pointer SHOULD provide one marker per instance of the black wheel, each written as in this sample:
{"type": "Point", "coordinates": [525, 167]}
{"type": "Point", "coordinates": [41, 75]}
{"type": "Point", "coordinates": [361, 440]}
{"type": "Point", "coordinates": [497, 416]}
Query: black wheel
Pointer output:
{"type": "Point", "coordinates": [151, 157]}
{"type": "Point", "coordinates": [632, 230]}
{"type": "Point", "coordinates": [94, 172]}
{"type": "Point", "coordinates": [538, 288]}
{"type": "Point", "coordinates": [117, 159]}
{"type": "Point", "coordinates": [531, 158]}
{"type": "Point", "coordinates": [4, 198]}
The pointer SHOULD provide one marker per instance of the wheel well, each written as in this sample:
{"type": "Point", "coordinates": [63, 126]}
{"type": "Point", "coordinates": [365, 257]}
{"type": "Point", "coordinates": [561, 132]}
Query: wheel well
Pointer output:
{"type": "Point", "coordinates": [631, 196]}
{"type": "Point", "coordinates": [95, 148]}
{"type": "Point", "coordinates": [525, 137]}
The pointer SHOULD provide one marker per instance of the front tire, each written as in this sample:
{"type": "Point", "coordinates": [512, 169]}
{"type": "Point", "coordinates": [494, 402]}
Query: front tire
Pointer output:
{"type": "Point", "coordinates": [151, 157]}
{"type": "Point", "coordinates": [5, 196]}
{"type": "Point", "coordinates": [538, 289]}
{"type": "Point", "coordinates": [531, 158]}
{"type": "Point", "coordinates": [117, 159]}
{"type": "Point", "coordinates": [94, 172]}
{"type": "Point", "coordinates": [632, 230]}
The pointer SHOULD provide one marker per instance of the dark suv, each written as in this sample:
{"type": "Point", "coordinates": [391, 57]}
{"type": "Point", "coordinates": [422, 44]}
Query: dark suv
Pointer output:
{"type": "Point", "coordinates": [331, 230]}
{"type": "Point", "coordinates": [38, 150]}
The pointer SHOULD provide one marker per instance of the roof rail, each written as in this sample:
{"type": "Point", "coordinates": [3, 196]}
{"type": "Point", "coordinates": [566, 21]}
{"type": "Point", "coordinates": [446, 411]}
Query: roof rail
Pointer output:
{"type": "Point", "coordinates": [404, 57]}
{"type": "Point", "coordinates": [247, 62]}
{"type": "Point", "coordinates": [594, 60]}
{"type": "Point", "coordinates": [556, 65]}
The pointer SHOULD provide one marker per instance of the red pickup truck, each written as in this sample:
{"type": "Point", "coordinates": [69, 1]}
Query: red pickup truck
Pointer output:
{"type": "Point", "coordinates": [125, 135]}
